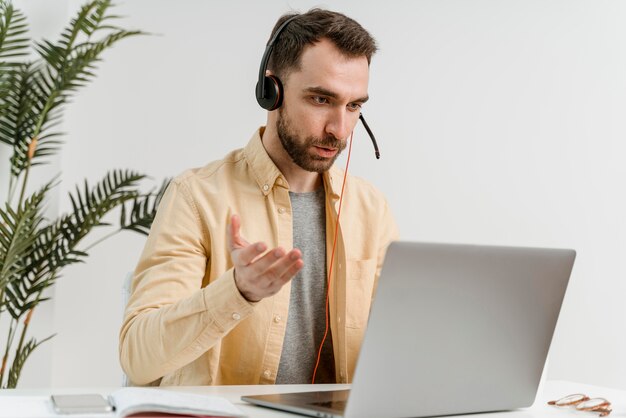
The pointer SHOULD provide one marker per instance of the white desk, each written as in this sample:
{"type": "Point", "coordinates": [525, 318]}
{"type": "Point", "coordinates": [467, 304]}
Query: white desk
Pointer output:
{"type": "Point", "coordinates": [549, 391]}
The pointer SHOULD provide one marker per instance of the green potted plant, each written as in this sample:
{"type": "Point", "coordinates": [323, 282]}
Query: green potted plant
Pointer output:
{"type": "Point", "coordinates": [33, 94]}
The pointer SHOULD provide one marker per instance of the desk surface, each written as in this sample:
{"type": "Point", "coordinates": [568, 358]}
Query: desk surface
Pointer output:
{"type": "Point", "coordinates": [549, 391]}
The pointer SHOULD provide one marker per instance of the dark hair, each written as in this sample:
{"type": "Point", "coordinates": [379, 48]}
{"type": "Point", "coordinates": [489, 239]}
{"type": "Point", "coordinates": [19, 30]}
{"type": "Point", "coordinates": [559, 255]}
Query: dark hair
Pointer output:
{"type": "Point", "coordinates": [310, 27]}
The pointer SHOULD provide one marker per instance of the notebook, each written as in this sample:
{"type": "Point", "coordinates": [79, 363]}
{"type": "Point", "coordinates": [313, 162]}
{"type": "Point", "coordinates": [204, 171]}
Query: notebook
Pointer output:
{"type": "Point", "coordinates": [453, 329]}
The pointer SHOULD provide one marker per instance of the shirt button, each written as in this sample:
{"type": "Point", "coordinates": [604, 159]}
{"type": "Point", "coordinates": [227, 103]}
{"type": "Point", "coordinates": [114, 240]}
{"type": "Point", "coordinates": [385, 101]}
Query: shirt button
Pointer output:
{"type": "Point", "coordinates": [267, 374]}
{"type": "Point", "coordinates": [266, 187]}
{"type": "Point", "coordinates": [236, 316]}
{"type": "Point", "coordinates": [277, 318]}
{"type": "Point", "coordinates": [281, 210]}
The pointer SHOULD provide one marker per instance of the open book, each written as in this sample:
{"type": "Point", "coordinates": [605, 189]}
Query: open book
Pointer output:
{"type": "Point", "coordinates": [126, 403]}
{"type": "Point", "coordinates": [144, 402]}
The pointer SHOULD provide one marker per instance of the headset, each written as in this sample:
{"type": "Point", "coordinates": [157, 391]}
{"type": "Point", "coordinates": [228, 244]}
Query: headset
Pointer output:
{"type": "Point", "coordinates": [269, 89]}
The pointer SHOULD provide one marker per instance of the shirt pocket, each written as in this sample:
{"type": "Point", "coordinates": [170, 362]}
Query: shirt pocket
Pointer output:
{"type": "Point", "coordinates": [359, 286]}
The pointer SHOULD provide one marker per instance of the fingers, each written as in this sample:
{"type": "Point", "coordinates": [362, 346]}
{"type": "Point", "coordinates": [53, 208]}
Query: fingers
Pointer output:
{"type": "Point", "coordinates": [234, 239]}
{"type": "Point", "coordinates": [233, 235]}
{"type": "Point", "coordinates": [260, 273]}
{"type": "Point", "coordinates": [273, 262]}
{"type": "Point", "coordinates": [278, 265]}
{"type": "Point", "coordinates": [243, 256]}
{"type": "Point", "coordinates": [266, 275]}
{"type": "Point", "coordinates": [292, 269]}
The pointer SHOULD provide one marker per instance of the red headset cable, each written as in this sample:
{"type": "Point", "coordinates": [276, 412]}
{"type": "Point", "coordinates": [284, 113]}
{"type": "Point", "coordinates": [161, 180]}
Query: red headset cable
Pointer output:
{"type": "Point", "coordinates": [332, 259]}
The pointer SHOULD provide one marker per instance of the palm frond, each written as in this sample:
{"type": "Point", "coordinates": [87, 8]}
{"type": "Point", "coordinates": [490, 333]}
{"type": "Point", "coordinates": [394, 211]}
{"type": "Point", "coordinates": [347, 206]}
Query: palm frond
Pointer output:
{"type": "Point", "coordinates": [79, 70]}
{"type": "Point", "coordinates": [139, 215]}
{"type": "Point", "coordinates": [13, 44]}
{"type": "Point", "coordinates": [13, 27]}
{"type": "Point", "coordinates": [59, 240]}
{"type": "Point", "coordinates": [24, 105]}
{"type": "Point", "coordinates": [20, 358]}
{"type": "Point", "coordinates": [90, 206]}
{"type": "Point", "coordinates": [36, 92]}
{"type": "Point", "coordinates": [71, 60]}
{"type": "Point", "coordinates": [56, 244]}
{"type": "Point", "coordinates": [88, 20]}
{"type": "Point", "coordinates": [18, 235]}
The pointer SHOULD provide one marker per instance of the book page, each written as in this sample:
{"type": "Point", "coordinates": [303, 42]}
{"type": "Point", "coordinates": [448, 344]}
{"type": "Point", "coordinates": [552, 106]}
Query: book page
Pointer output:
{"type": "Point", "coordinates": [135, 400]}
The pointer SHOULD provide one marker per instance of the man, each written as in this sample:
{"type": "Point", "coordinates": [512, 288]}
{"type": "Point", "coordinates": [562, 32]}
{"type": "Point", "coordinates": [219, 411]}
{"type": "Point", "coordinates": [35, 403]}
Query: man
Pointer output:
{"type": "Point", "coordinates": [209, 307]}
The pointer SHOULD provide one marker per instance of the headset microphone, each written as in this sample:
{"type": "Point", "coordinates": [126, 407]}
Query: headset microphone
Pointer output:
{"type": "Point", "coordinates": [369, 132]}
{"type": "Point", "coordinates": [269, 89]}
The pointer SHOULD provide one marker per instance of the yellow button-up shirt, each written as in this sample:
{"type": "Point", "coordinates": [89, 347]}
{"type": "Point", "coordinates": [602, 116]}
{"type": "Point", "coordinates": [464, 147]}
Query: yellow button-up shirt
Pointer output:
{"type": "Point", "coordinates": [186, 322]}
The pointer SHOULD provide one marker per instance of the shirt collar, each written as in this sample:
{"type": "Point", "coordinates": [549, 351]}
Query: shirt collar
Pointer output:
{"type": "Point", "coordinates": [333, 179]}
{"type": "Point", "coordinates": [263, 168]}
{"type": "Point", "coordinates": [267, 175]}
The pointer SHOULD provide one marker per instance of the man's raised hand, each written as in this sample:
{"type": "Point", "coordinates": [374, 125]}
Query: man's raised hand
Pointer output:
{"type": "Point", "coordinates": [259, 275]}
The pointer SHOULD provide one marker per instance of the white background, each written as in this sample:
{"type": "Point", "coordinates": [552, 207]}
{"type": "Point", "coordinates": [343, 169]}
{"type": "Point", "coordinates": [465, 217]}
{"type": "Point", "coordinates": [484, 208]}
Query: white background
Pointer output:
{"type": "Point", "coordinates": [499, 122]}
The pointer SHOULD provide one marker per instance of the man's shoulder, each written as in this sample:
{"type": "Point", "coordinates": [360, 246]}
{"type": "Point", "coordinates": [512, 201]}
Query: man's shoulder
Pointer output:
{"type": "Point", "coordinates": [211, 171]}
{"type": "Point", "coordinates": [364, 203]}
{"type": "Point", "coordinates": [356, 185]}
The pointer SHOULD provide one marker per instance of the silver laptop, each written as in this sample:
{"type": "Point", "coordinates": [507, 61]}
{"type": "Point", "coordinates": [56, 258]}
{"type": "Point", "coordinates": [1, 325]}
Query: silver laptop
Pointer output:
{"type": "Point", "coordinates": [454, 329]}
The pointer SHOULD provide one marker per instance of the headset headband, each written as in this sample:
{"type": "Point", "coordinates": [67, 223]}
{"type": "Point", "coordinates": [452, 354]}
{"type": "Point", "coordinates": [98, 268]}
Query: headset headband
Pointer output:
{"type": "Point", "coordinates": [261, 85]}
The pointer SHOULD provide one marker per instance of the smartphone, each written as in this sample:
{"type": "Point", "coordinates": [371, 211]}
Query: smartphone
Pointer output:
{"type": "Point", "coordinates": [81, 404]}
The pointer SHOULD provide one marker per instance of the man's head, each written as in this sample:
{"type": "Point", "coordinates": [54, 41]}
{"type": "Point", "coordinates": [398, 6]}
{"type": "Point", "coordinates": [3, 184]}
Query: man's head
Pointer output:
{"type": "Point", "coordinates": [322, 59]}
{"type": "Point", "coordinates": [311, 27]}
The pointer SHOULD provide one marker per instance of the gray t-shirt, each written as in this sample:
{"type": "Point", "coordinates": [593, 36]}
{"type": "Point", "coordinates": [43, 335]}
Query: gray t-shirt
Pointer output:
{"type": "Point", "coordinates": [307, 306]}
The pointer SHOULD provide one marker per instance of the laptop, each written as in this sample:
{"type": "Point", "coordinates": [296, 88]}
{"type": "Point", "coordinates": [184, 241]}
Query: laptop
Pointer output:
{"type": "Point", "coordinates": [453, 329]}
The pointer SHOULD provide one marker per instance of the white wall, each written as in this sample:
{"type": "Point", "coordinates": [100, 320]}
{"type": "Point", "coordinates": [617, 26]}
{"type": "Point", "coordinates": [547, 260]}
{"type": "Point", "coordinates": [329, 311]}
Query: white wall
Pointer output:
{"type": "Point", "coordinates": [499, 122]}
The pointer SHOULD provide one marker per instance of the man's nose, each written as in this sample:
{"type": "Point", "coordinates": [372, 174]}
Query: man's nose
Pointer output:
{"type": "Point", "coordinates": [338, 124]}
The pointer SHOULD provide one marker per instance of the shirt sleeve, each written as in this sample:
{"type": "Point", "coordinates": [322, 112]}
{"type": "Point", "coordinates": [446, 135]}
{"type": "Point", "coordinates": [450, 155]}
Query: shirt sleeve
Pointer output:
{"type": "Point", "coordinates": [170, 320]}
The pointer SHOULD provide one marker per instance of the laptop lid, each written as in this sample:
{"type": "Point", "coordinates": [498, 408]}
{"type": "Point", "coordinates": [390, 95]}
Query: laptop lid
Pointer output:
{"type": "Point", "coordinates": [457, 329]}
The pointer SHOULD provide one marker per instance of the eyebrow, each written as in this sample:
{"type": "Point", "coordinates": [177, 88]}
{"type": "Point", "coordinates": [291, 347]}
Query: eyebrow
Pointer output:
{"type": "Point", "coordinates": [325, 92]}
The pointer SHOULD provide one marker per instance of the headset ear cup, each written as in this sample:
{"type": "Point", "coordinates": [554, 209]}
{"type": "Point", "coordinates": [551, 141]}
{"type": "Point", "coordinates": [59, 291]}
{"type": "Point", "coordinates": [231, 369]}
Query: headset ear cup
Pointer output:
{"type": "Point", "coordinates": [272, 97]}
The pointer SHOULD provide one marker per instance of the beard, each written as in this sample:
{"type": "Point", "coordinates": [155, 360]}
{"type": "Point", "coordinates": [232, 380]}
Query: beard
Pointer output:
{"type": "Point", "coordinates": [300, 149]}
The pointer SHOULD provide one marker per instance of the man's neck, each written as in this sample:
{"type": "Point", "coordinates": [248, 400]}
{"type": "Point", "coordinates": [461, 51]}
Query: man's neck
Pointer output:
{"type": "Point", "coordinates": [298, 184]}
{"type": "Point", "coordinates": [299, 179]}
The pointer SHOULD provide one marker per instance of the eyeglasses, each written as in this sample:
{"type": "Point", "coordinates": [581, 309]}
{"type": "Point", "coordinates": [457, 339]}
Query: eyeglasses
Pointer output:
{"type": "Point", "coordinates": [584, 403]}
